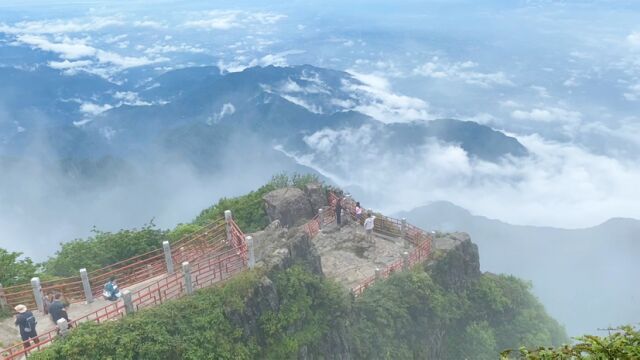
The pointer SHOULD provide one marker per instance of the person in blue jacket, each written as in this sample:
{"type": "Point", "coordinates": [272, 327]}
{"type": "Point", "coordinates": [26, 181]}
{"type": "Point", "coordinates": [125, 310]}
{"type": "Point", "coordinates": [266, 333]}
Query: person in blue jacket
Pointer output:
{"type": "Point", "coordinates": [111, 291]}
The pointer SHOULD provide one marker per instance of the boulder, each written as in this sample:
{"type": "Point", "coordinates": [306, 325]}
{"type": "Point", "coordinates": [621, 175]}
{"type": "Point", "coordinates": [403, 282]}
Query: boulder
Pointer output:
{"type": "Point", "coordinates": [290, 206]}
{"type": "Point", "coordinates": [316, 195]}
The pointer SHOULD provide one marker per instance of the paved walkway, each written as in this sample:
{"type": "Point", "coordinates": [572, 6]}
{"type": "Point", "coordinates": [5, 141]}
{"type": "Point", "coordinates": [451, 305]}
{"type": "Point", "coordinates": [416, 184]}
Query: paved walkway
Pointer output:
{"type": "Point", "coordinates": [9, 334]}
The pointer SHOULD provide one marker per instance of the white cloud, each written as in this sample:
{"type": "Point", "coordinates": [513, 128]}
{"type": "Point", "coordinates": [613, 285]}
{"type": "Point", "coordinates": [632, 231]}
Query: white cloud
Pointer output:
{"type": "Point", "coordinates": [241, 62]}
{"type": "Point", "coordinates": [461, 71]}
{"type": "Point", "coordinates": [94, 109]}
{"type": "Point", "coordinates": [164, 49]}
{"type": "Point", "coordinates": [125, 62]}
{"type": "Point", "coordinates": [68, 48]}
{"type": "Point", "coordinates": [228, 19]}
{"type": "Point", "coordinates": [633, 93]}
{"type": "Point", "coordinates": [634, 39]}
{"type": "Point", "coordinates": [581, 187]}
{"type": "Point", "coordinates": [226, 110]}
{"type": "Point", "coordinates": [548, 115]}
{"type": "Point", "coordinates": [61, 26]}
{"type": "Point", "coordinates": [69, 65]}
{"type": "Point", "coordinates": [541, 91]}
{"type": "Point", "coordinates": [129, 98]}
{"type": "Point", "coordinates": [302, 102]}
{"type": "Point", "coordinates": [149, 24]}
{"type": "Point", "coordinates": [373, 96]}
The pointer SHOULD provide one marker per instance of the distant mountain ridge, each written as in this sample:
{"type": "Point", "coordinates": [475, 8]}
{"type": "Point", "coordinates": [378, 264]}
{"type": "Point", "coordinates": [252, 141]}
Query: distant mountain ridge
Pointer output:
{"type": "Point", "coordinates": [279, 105]}
{"type": "Point", "coordinates": [572, 270]}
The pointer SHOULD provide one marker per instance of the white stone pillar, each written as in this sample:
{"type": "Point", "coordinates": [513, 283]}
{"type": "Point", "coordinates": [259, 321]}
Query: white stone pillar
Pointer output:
{"type": "Point", "coordinates": [128, 302]}
{"type": "Point", "coordinates": [167, 256]}
{"type": "Point", "coordinates": [252, 257]}
{"type": "Point", "coordinates": [188, 283]}
{"type": "Point", "coordinates": [320, 218]}
{"type": "Point", "coordinates": [63, 326]}
{"type": "Point", "coordinates": [88, 294]}
{"type": "Point", "coordinates": [405, 261]}
{"type": "Point", "coordinates": [227, 220]}
{"type": "Point", "coordinates": [403, 232]}
{"type": "Point", "coordinates": [37, 293]}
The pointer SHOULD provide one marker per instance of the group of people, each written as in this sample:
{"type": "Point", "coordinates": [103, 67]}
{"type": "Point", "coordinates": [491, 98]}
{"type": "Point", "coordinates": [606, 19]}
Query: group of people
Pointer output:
{"type": "Point", "coordinates": [368, 223]}
{"type": "Point", "coordinates": [56, 307]}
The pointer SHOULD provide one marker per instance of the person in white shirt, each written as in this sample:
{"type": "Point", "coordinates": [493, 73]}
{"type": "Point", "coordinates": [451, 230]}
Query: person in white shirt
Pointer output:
{"type": "Point", "coordinates": [368, 227]}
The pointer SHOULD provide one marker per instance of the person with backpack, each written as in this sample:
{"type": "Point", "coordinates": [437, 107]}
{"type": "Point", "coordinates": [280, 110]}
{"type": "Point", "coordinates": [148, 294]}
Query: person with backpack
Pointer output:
{"type": "Point", "coordinates": [58, 309]}
{"type": "Point", "coordinates": [26, 322]}
{"type": "Point", "coordinates": [110, 290]}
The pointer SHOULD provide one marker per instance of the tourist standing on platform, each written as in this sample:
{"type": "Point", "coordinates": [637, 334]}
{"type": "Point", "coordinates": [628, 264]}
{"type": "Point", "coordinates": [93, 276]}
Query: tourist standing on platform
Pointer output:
{"type": "Point", "coordinates": [358, 212]}
{"type": "Point", "coordinates": [369, 223]}
{"type": "Point", "coordinates": [339, 212]}
{"type": "Point", "coordinates": [26, 322]}
{"type": "Point", "coordinates": [58, 309]}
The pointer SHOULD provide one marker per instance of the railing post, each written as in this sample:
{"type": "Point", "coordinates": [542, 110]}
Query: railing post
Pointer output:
{"type": "Point", "coordinates": [378, 274]}
{"type": "Point", "coordinates": [188, 283]}
{"type": "Point", "coordinates": [37, 293]}
{"type": "Point", "coordinates": [63, 326]}
{"type": "Point", "coordinates": [128, 302]}
{"type": "Point", "coordinates": [405, 261]}
{"type": "Point", "coordinates": [403, 232]}
{"type": "Point", "coordinates": [3, 300]}
{"type": "Point", "coordinates": [167, 256]}
{"type": "Point", "coordinates": [88, 294]}
{"type": "Point", "coordinates": [227, 220]}
{"type": "Point", "coordinates": [252, 257]}
{"type": "Point", "coordinates": [320, 218]}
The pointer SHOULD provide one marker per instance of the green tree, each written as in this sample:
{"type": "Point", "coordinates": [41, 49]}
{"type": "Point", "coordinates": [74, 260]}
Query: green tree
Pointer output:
{"type": "Point", "coordinates": [104, 248]}
{"type": "Point", "coordinates": [622, 344]}
{"type": "Point", "coordinates": [14, 269]}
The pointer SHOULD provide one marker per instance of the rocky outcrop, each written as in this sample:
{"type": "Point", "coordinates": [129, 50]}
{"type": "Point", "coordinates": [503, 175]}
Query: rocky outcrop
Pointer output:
{"type": "Point", "coordinates": [280, 250]}
{"type": "Point", "coordinates": [459, 263]}
{"type": "Point", "coordinates": [291, 206]}
{"type": "Point", "coordinates": [316, 195]}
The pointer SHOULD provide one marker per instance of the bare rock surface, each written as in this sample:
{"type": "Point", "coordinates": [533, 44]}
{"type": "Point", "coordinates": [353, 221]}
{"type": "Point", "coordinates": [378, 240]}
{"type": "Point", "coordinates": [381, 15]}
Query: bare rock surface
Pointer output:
{"type": "Point", "coordinates": [349, 258]}
{"type": "Point", "coordinates": [291, 206]}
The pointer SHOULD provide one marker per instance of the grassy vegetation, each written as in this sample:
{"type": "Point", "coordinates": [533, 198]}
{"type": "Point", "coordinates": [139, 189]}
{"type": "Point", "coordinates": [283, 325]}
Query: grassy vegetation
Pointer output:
{"type": "Point", "coordinates": [410, 316]}
{"type": "Point", "coordinates": [205, 325]}
{"type": "Point", "coordinates": [105, 248]}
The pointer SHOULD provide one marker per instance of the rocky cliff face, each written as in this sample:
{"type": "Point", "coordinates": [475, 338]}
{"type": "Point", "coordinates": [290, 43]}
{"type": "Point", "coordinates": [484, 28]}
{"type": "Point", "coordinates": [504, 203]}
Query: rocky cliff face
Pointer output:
{"type": "Point", "coordinates": [282, 250]}
{"type": "Point", "coordinates": [455, 267]}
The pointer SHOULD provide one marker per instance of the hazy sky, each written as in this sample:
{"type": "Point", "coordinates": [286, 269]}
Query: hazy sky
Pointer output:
{"type": "Point", "coordinates": [561, 76]}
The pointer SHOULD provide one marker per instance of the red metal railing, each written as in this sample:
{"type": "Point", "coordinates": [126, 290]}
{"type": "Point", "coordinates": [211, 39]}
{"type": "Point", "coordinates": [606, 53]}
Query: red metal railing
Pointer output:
{"type": "Point", "coordinates": [128, 272]}
{"type": "Point", "coordinates": [383, 225]}
{"type": "Point", "coordinates": [210, 265]}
